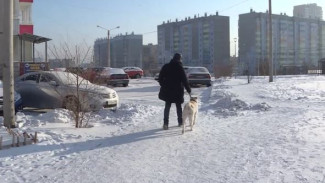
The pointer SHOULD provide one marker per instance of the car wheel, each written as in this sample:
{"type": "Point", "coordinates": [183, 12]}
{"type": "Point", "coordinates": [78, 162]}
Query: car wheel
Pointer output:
{"type": "Point", "coordinates": [18, 109]}
{"type": "Point", "coordinates": [114, 109]}
{"type": "Point", "coordinates": [208, 85]}
{"type": "Point", "coordinates": [71, 103]}
{"type": "Point", "coordinates": [125, 85]}
{"type": "Point", "coordinates": [137, 76]}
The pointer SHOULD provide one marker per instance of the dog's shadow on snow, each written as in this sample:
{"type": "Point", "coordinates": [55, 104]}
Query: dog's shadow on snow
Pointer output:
{"type": "Point", "coordinates": [69, 148]}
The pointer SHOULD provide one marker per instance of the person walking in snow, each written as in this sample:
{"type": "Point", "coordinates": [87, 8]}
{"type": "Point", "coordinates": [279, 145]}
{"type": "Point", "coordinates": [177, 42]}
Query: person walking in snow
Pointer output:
{"type": "Point", "coordinates": [172, 79]}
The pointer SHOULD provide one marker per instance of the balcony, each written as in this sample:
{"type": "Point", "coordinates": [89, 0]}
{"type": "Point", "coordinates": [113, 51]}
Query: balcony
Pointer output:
{"type": "Point", "coordinates": [25, 14]}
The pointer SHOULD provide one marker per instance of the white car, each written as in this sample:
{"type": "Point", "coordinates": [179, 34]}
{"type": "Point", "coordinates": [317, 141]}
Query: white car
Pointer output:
{"type": "Point", "coordinates": [57, 89]}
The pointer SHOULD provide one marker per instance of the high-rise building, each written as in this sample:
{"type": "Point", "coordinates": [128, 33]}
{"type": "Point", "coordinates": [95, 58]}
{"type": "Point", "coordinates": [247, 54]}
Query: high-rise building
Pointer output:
{"type": "Point", "coordinates": [311, 11]}
{"type": "Point", "coordinates": [297, 43]}
{"type": "Point", "coordinates": [100, 52]}
{"type": "Point", "coordinates": [202, 41]}
{"type": "Point", "coordinates": [149, 58]}
{"type": "Point", "coordinates": [126, 50]}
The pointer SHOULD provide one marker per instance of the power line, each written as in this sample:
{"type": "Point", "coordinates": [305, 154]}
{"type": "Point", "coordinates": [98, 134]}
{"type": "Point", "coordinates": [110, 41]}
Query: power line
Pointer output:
{"type": "Point", "coordinates": [230, 7]}
{"type": "Point", "coordinates": [149, 32]}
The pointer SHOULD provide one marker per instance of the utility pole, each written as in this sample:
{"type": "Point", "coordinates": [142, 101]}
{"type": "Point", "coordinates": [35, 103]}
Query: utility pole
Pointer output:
{"type": "Point", "coordinates": [108, 50]}
{"type": "Point", "coordinates": [270, 43]}
{"type": "Point", "coordinates": [6, 56]}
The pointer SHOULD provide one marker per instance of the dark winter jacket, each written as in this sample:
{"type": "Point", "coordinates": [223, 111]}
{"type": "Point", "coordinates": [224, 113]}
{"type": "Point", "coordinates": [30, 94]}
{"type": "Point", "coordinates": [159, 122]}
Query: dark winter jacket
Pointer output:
{"type": "Point", "coordinates": [172, 79]}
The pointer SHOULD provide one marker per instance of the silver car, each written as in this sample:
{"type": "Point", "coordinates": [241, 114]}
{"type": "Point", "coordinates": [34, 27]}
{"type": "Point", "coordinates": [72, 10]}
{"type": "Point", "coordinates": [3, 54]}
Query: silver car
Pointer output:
{"type": "Point", "coordinates": [56, 89]}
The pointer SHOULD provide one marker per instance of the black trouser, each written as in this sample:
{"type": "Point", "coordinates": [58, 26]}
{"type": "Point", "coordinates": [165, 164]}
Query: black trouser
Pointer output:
{"type": "Point", "coordinates": [179, 113]}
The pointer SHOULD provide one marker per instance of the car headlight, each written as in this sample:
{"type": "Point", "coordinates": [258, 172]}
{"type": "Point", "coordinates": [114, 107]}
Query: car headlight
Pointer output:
{"type": "Point", "coordinates": [109, 95]}
{"type": "Point", "coordinates": [106, 95]}
{"type": "Point", "coordinates": [17, 96]}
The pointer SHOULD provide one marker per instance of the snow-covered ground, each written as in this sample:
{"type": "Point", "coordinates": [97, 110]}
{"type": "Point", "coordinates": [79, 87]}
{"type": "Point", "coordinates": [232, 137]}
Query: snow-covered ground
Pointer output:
{"type": "Point", "coordinates": [257, 132]}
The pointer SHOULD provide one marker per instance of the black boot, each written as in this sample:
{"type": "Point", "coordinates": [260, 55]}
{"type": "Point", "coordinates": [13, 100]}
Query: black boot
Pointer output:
{"type": "Point", "coordinates": [180, 121]}
{"type": "Point", "coordinates": [165, 127]}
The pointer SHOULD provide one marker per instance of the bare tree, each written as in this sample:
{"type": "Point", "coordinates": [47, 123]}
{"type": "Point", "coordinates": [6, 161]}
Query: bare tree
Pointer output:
{"type": "Point", "coordinates": [76, 102]}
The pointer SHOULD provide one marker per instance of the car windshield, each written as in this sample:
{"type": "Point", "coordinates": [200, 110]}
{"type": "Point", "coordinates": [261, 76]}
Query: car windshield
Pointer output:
{"type": "Point", "coordinates": [70, 79]}
{"type": "Point", "coordinates": [197, 69]}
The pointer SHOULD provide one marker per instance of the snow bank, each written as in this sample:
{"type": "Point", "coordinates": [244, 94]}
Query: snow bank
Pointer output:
{"type": "Point", "coordinates": [221, 102]}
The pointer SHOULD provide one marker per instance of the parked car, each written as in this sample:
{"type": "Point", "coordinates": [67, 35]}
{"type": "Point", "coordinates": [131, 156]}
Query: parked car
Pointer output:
{"type": "Point", "coordinates": [186, 68]}
{"type": "Point", "coordinates": [133, 72]}
{"type": "Point", "coordinates": [17, 100]}
{"type": "Point", "coordinates": [57, 89]}
{"type": "Point", "coordinates": [91, 74]}
{"type": "Point", "coordinates": [74, 70]}
{"type": "Point", "coordinates": [59, 69]}
{"type": "Point", "coordinates": [113, 76]}
{"type": "Point", "coordinates": [198, 76]}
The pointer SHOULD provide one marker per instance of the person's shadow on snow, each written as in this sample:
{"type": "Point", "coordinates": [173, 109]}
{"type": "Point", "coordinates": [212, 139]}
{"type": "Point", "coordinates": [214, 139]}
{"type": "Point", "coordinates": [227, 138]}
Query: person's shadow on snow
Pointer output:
{"type": "Point", "coordinates": [68, 148]}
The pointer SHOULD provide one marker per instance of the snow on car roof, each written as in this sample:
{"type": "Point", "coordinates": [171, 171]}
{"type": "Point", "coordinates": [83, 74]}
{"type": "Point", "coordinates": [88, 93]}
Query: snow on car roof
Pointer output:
{"type": "Point", "coordinates": [197, 69]}
{"type": "Point", "coordinates": [112, 71]}
{"type": "Point", "coordinates": [137, 68]}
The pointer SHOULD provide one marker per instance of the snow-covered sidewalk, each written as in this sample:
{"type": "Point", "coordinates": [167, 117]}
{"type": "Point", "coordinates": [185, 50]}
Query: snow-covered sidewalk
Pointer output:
{"type": "Point", "coordinates": [258, 132]}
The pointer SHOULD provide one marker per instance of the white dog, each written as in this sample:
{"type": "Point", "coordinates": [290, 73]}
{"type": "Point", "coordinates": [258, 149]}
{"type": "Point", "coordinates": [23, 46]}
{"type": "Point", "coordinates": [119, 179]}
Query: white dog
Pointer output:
{"type": "Point", "coordinates": [190, 111]}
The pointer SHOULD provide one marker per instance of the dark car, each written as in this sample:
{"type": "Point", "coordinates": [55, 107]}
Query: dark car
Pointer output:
{"type": "Point", "coordinates": [198, 76]}
{"type": "Point", "coordinates": [17, 99]}
{"type": "Point", "coordinates": [91, 74]}
{"type": "Point", "coordinates": [75, 70]}
{"type": "Point", "coordinates": [112, 76]}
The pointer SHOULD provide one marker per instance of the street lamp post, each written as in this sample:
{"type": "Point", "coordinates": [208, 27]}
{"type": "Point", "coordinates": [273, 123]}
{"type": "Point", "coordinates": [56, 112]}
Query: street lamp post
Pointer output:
{"type": "Point", "coordinates": [270, 43]}
{"type": "Point", "coordinates": [108, 44]}
{"type": "Point", "coordinates": [235, 40]}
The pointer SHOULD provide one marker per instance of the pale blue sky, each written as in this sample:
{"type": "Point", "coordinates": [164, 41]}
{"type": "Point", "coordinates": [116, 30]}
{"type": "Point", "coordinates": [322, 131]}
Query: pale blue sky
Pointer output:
{"type": "Point", "coordinates": [75, 21]}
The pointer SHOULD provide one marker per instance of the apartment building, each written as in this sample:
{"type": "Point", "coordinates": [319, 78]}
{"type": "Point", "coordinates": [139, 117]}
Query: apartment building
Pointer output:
{"type": "Point", "coordinates": [149, 58]}
{"type": "Point", "coordinates": [311, 11]}
{"type": "Point", "coordinates": [23, 24]}
{"type": "Point", "coordinates": [126, 50]}
{"type": "Point", "coordinates": [202, 41]}
{"type": "Point", "coordinates": [297, 43]}
{"type": "Point", "coordinates": [100, 53]}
